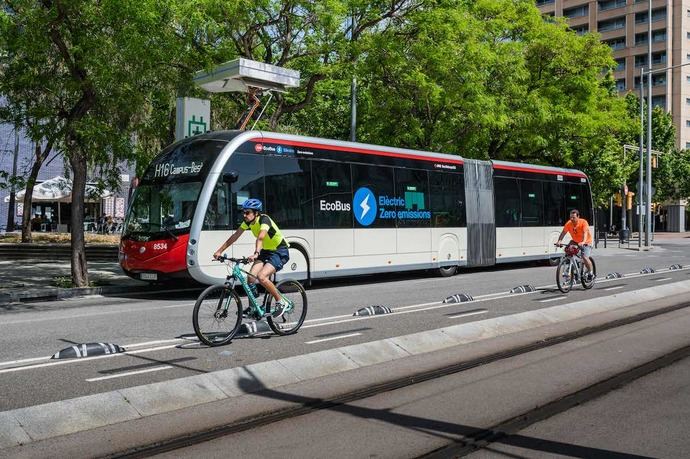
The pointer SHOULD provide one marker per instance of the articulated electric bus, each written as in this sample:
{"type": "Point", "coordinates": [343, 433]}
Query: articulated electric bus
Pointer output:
{"type": "Point", "coordinates": [345, 208]}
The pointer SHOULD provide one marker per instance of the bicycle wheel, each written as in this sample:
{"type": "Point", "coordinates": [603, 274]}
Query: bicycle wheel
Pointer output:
{"type": "Point", "coordinates": [217, 315]}
{"type": "Point", "coordinates": [293, 318]}
{"type": "Point", "coordinates": [564, 275]}
{"type": "Point", "coordinates": [588, 284]}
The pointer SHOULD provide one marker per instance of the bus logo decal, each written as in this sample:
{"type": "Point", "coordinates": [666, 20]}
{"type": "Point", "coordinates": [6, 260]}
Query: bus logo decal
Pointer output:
{"type": "Point", "coordinates": [365, 206]}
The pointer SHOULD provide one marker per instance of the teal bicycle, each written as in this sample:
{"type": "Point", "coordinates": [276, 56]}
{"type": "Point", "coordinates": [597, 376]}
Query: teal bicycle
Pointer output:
{"type": "Point", "coordinates": [218, 311]}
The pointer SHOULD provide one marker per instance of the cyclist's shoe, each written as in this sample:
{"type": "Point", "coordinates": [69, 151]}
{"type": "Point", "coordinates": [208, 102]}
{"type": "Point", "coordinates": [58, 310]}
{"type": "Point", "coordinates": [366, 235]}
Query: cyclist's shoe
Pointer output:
{"type": "Point", "coordinates": [247, 312]}
{"type": "Point", "coordinates": [589, 277]}
{"type": "Point", "coordinates": [278, 309]}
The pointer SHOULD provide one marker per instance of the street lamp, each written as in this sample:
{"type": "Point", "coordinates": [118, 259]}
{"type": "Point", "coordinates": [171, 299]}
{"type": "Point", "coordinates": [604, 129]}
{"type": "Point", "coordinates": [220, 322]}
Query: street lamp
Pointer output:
{"type": "Point", "coordinates": [647, 183]}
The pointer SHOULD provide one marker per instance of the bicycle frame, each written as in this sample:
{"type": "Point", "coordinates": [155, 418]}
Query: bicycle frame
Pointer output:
{"type": "Point", "coordinates": [241, 275]}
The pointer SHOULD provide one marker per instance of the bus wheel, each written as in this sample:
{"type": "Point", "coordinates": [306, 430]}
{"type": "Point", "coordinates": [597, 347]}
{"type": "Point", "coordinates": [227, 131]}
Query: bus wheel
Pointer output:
{"type": "Point", "coordinates": [447, 271]}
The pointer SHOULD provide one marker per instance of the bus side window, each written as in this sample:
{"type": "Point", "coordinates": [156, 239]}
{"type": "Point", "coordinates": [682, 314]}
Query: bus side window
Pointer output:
{"type": "Point", "coordinates": [250, 182]}
{"type": "Point", "coordinates": [507, 202]}
{"type": "Point", "coordinates": [554, 204]}
{"type": "Point", "coordinates": [412, 185]}
{"type": "Point", "coordinates": [218, 214]}
{"type": "Point", "coordinates": [288, 192]}
{"type": "Point", "coordinates": [332, 194]}
{"type": "Point", "coordinates": [380, 180]}
{"type": "Point", "coordinates": [447, 199]}
{"type": "Point", "coordinates": [532, 203]}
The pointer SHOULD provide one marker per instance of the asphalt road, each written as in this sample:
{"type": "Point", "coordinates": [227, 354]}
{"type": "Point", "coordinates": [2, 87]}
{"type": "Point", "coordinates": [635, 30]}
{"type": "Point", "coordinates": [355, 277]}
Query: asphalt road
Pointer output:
{"type": "Point", "coordinates": [158, 332]}
{"type": "Point", "coordinates": [647, 418]}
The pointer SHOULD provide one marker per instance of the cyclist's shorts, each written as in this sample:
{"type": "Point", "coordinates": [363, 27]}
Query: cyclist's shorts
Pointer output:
{"type": "Point", "coordinates": [277, 258]}
{"type": "Point", "coordinates": [587, 250]}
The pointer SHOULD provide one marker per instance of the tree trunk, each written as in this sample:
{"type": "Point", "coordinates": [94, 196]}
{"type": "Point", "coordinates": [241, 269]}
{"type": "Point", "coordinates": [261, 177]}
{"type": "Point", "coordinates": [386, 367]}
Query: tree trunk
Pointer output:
{"type": "Point", "coordinates": [80, 274]}
{"type": "Point", "coordinates": [28, 200]}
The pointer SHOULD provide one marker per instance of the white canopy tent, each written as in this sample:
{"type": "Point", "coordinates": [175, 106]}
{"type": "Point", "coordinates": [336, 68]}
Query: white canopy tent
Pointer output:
{"type": "Point", "coordinates": [59, 189]}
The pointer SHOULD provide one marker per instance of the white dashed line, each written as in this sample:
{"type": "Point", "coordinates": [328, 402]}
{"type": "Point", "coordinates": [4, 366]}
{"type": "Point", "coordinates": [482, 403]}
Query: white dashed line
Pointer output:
{"type": "Point", "coordinates": [548, 300]}
{"type": "Point", "coordinates": [130, 373]}
{"type": "Point", "coordinates": [468, 313]}
{"type": "Point", "coordinates": [332, 338]}
{"type": "Point", "coordinates": [614, 288]}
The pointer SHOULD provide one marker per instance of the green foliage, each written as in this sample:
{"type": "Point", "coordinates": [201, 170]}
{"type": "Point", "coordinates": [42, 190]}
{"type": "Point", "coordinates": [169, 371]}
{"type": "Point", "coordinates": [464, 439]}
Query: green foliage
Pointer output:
{"type": "Point", "coordinates": [492, 79]}
{"type": "Point", "coordinates": [484, 79]}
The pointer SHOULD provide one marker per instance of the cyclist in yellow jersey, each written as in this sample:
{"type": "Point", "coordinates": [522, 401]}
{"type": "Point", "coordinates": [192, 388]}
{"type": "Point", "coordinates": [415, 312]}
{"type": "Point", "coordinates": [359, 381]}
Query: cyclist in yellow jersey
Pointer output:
{"type": "Point", "coordinates": [271, 252]}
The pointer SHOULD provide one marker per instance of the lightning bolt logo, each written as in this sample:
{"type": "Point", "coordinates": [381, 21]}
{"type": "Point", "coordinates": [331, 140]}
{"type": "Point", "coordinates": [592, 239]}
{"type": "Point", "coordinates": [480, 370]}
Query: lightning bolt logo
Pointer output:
{"type": "Point", "coordinates": [365, 206]}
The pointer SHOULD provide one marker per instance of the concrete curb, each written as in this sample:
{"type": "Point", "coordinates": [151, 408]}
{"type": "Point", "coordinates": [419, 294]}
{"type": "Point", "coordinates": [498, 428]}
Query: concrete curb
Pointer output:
{"type": "Point", "coordinates": [26, 425]}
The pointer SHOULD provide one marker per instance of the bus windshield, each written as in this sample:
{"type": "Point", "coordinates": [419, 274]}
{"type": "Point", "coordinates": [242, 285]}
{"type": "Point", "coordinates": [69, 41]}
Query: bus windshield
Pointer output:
{"type": "Point", "coordinates": [165, 208]}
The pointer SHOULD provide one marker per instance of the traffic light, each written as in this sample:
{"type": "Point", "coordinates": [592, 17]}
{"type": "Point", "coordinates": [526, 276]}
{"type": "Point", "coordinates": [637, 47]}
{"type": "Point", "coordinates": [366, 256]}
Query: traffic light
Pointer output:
{"type": "Point", "coordinates": [629, 200]}
{"type": "Point", "coordinates": [618, 200]}
{"type": "Point", "coordinates": [653, 207]}
{"type": "Point", "coordinates": [655, 159]}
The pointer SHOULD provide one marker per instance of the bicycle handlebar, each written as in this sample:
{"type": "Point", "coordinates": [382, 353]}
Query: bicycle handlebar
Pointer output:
{"type": "Point", "coordinates": [243, 260]}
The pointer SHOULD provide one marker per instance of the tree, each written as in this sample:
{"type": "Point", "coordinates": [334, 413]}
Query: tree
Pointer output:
{"type": "Point", "coordinates": [493, 79]}
{"type": "Point", "coordinates": [96, 64]}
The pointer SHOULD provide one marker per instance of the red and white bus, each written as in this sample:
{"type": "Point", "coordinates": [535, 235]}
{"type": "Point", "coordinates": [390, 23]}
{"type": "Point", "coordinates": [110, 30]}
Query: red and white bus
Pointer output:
{"type": "Point", "coordinates": [345, 208]}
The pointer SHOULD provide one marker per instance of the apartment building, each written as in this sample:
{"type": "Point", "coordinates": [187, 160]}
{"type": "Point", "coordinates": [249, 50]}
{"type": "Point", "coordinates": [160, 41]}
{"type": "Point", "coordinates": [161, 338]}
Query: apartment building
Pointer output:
{"type": "Point", "coordinates": [622, 25]}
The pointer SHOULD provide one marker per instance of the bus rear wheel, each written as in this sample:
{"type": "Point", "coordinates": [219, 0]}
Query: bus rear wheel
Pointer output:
{"type": "Point", "coordinates": [447, 271]}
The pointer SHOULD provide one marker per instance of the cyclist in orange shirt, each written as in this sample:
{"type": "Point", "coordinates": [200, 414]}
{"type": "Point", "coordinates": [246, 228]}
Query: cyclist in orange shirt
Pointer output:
{"type": "Point", "coordinates": [578, 228]}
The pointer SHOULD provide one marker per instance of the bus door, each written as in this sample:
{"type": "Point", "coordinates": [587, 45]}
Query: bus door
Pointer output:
{"type": "Point", "coordinates": [481, 227]}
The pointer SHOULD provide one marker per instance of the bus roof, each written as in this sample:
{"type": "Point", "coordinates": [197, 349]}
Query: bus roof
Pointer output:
{"type": "Point", "coordinates": [356, 147]}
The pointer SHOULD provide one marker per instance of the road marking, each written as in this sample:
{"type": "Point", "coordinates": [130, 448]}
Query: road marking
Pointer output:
{"type": "Point", "coordinates": [130, 373]}
{"type": "Point", "coordinates": [663, 279]}
{"type": "Point", "coordinates": [614, 288]}
{"type": "Point", "coordinates": [84, 359]}
{"type": "Point", "coordinates": [102, 313]}
{"type": "Point", "coordinates": [562, 297]}
{"type": "Point", "coordinates": [332, 338]}
{"type": "Point", "coordinates": [324, 321]}
{"type": "Point", "coordinates": [468, 313]}
{"type": "Point", "coordinates": [35, 359]}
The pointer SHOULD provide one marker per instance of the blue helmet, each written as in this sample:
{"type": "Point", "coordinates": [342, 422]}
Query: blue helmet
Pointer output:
{"type": "Point", "coordinates": [252, 204]}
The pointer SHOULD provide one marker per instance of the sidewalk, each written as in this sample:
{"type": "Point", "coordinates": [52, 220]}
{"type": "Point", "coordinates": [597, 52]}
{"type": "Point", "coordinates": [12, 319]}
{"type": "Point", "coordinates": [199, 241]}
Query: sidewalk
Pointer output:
{"type": "Point", "coordinates": [32, 280]}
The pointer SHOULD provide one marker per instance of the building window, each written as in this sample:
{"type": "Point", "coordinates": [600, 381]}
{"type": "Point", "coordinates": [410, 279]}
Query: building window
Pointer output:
{"type": "Point", "coordinates": [687, 123]}
{"type": "Point", "coordinates": [620, 84]}
{"type": "Point", "coordinates": [687, 145]}
{"type": "Point", "coordinates": [616, 43]}
{"type": "Point", "coordinates": [611, 4]}
{"type": "Point", "coordinates": [576, 12]}
{"type": "Point", "coordinates": [659, 101]}
{"type": "Point", "coordinates": [581, 30]}
{"type": "Point", "coordinates": [544, 2]}
{"type": "Point", "coordinates": [612, 24]}
{"type": "Point", "coordinates": [657, 80]}
{"type": "Point", "coordinates": [687, 78]}
{"type": "Point", "coordinates": [657, 15]}
{"type": "Point", "coordinates": [620, 64]}
{"type": "Point", "coordinates": [687, 101]}
{"type": "Point", "coordinates": [657, 37]}
{"type": "Point", "coordinates": [657, 58]}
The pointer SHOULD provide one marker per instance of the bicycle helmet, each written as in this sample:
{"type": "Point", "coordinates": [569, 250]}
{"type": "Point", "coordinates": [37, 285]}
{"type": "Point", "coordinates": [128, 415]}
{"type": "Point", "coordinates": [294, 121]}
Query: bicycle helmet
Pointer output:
{"type": "Point", "coordinates": [252, 204]}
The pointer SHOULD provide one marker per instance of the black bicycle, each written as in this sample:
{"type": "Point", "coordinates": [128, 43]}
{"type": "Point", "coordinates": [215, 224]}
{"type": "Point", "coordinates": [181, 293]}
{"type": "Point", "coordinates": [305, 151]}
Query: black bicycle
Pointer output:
{"type": "Point", "coordinates": [572, 269]}
{"type": "Point", "coordinates": [218, 311]}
